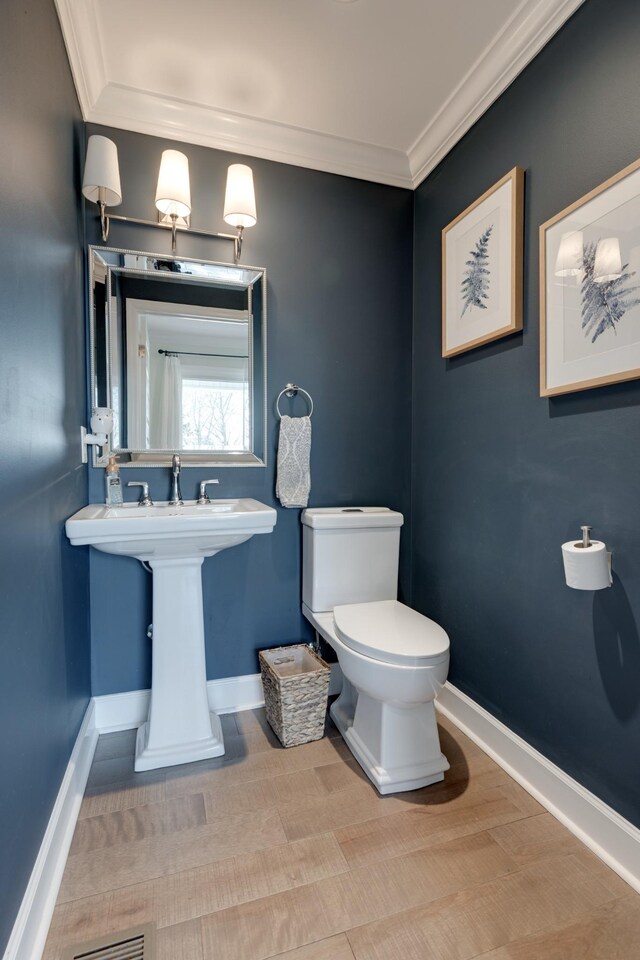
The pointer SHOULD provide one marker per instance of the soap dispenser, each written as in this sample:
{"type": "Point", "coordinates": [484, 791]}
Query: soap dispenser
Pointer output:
{"type": "Point", "coordinates": [112, 484]}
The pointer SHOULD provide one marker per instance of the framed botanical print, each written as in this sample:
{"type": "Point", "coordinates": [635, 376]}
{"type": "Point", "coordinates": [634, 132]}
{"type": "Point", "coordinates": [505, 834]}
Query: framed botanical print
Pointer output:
{"type": "Point", "coordinates": [590, 289]}
{"type": "Point", "coordinates": [482, 268]}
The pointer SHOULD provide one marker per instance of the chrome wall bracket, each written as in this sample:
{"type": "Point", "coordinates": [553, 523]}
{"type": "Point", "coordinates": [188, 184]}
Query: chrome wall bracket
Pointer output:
{"type": "Point", "coordinates": [173, 223]}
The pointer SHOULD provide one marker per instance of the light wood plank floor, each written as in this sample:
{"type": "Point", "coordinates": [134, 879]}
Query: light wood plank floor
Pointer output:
{"type": "Point", "coordinates": [292, 854]}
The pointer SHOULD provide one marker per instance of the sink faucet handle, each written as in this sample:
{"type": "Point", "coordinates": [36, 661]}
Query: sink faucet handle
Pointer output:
{"type": "Point", "coordinates": [204, 496]}
{"type": "Point", "coordinates": [145, 500]}
{"type": "Point", "coordinates": [175, 463]}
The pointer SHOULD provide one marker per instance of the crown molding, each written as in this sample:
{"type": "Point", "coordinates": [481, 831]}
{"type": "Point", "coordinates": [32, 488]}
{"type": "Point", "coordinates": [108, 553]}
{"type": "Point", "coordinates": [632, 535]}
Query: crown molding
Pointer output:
{"type": "Point", "coordinates": [81, 33]}
{"type": "Point", "coordinates": [160, 116]}
{"type": "Point", "coordinates": [531, 26]}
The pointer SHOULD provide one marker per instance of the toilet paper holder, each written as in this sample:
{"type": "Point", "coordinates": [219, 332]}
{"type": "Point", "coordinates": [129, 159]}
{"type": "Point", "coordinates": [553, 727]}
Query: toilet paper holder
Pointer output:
{"type": "Point", "coordinates": [586, 538]}
{"type": "Point", "coordinates": [590, 570]}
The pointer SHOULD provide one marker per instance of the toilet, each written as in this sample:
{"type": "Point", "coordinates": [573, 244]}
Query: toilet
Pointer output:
{"type": "Point", "coordinates": [394, 661]}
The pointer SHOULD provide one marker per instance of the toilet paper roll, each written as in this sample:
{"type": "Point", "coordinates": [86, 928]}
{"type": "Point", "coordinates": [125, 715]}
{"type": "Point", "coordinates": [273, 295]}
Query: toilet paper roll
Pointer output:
{"type": "Point", "coordinates": [587, 568]}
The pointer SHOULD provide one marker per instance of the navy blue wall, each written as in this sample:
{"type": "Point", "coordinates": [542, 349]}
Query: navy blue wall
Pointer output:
{"type": "Point", "coordinates": [501, 477]}
{"type": "Point", "coordinates": [44, 640]}
{"type": "Point", "coordinates": [338, 259]}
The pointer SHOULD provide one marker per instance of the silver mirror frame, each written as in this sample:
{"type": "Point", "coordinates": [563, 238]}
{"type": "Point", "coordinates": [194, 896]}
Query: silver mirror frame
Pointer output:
{"type": "Point", "coordinates": [161, 458]}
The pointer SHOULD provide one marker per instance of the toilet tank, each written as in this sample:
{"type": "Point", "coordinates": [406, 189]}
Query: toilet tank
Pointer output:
{"type": "Point", "coordinates": [349, 555]}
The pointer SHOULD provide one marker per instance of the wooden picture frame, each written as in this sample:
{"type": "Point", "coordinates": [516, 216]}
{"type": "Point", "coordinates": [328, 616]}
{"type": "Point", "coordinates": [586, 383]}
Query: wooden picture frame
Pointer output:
{"type": "Point", "coordinates": [482, 265]}
{"type": "Point", "coordinates": [590, 289]}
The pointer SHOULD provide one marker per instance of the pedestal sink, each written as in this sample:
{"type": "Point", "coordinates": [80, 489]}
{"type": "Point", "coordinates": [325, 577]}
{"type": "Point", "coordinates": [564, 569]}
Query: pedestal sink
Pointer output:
{"type": "Point", "coordinates": [174, 541]}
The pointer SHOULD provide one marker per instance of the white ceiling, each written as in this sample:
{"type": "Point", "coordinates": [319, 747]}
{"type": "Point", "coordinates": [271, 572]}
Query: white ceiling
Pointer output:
{"type": "Point", "coordinates": [376, 89]}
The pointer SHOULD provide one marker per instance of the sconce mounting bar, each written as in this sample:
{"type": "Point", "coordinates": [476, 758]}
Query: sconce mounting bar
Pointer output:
{"type": "Point", "coordinates": [174, 226]}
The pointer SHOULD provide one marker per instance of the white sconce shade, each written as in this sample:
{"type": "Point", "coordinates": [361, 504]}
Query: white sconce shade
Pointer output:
{"type": "Point", "coordinates": [101, 181]}
{"type": "Point", "coordinates": [608, 262]}
{"type": "Point", "coordinates": [569, 259]}
{"type": "Point", "coordinates": [173, 193]}
{"type": "Point", "coordinates": [240, 198]}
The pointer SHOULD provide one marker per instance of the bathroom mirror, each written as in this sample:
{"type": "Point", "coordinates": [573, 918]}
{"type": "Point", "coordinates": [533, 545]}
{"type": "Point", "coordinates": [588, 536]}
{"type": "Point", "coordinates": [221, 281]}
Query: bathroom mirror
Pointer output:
{"type": "Point", "coordinates": [178, 351]}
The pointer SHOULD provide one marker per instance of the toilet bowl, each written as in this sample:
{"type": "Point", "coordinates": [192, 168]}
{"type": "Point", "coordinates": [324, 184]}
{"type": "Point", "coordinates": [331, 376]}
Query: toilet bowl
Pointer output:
{"type": "Point", "coordinates": [394, 661]}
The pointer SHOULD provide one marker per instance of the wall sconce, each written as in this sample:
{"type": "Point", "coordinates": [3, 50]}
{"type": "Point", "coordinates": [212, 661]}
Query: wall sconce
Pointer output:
{"type": "Point", "coordinates": [570, 252]}
{"type": "Point", "coordinates": [101, 184]}
{"type": "Point", "coordinates": [101, 181]}
{"type": "Point", "coordinates": [608, 260]}
{"type": "Point", "coordinates": [173, 193]}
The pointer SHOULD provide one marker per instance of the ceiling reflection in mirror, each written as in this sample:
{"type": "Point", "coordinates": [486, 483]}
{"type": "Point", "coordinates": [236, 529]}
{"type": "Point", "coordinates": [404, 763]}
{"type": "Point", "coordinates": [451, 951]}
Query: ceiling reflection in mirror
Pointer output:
{"type": "Point", "coordinates": [178, 351]}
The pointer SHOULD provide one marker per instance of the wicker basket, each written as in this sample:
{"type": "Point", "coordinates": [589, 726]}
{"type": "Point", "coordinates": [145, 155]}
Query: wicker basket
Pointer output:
{"type": "Point", "coordinates": [296, 686]}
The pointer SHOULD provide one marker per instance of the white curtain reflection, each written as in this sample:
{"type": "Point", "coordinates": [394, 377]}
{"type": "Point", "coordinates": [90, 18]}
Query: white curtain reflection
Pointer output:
{"type": "Point", "coordinates": [166, 418]}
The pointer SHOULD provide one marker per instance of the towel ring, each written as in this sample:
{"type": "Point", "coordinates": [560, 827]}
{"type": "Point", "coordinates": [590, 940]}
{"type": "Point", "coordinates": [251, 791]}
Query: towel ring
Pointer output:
{"type": "Point", "coordinates": [291, 390]}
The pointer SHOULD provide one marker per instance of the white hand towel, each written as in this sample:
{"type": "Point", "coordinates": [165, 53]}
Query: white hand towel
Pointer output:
{"type": "Point", "coordinates": [293, 481]}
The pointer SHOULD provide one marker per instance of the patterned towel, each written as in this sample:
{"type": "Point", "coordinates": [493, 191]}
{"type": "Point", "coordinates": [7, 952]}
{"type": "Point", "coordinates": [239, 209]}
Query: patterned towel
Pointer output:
{"type": "Point", "coordinates": [293, 481]}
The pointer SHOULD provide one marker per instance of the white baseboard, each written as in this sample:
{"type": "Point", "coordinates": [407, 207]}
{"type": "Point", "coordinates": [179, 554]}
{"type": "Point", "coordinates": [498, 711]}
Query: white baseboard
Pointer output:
{"type": "Point", "coordinates": [122, 711]}
{"type": "Point", "coordinates": [30, 930]}
{"type": "Point", "coordinates": [610, 836]}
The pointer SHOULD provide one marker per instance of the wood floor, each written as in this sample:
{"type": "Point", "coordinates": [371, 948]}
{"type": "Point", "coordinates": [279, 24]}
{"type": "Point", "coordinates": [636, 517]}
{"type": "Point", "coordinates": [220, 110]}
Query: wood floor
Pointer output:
{"type": "Point", "coordinates": [291, 853]}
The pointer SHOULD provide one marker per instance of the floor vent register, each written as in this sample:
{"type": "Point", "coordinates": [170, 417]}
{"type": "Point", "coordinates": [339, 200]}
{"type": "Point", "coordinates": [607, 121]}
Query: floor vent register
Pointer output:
{"type": "Point", "coordinates": [136, 944]}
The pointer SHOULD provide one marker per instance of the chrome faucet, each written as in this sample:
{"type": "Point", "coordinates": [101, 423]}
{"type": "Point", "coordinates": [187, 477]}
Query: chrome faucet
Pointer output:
{"type": "Point", "coordinates": [176, 497]}
{"type": "Point", "coordinates": [204, 498]}
{"type": "Point", "coordinates": [145, 500]}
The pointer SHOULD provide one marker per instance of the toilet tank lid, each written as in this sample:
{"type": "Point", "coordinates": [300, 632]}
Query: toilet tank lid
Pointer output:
{"type": "Point", "coordinates": [332, 518]}
{"type": "Point", "coordinates": [388, 630]}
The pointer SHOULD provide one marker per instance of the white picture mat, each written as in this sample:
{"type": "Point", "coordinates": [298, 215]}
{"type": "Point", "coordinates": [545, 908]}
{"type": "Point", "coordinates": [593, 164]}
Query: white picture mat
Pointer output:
{"type": "Point", "coordinates": [460, 241]}
{"type": "Point", "coordinates": [570, 358]}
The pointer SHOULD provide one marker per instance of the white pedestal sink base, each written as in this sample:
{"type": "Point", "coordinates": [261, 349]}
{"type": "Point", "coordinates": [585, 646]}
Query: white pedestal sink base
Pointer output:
{"type": "Point", "coordinates": [168, 756]}
{"type": "Point", "coordinates": [174, 540]}
{"type": "Point", "coordinates": [180, 727]}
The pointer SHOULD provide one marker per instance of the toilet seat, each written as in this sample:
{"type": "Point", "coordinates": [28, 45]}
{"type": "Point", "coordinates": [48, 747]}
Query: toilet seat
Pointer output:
{"type": "Point", "coordinates": [389, 631]}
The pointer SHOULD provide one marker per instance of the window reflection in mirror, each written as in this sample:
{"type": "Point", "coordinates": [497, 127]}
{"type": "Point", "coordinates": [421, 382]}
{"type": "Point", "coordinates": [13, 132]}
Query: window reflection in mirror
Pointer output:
{"type": "Point", "coordinates": [178, 352]}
